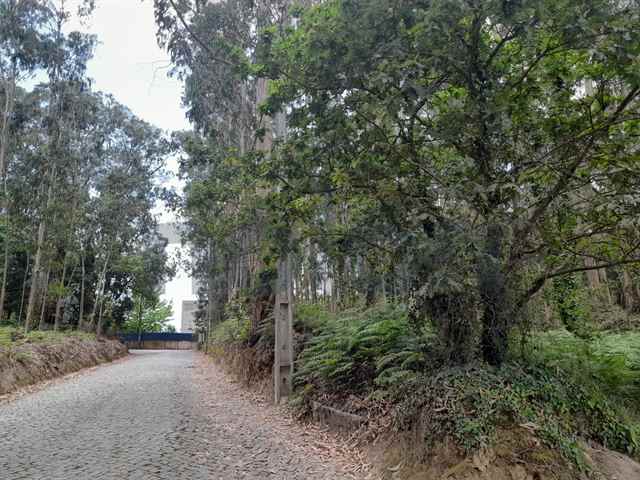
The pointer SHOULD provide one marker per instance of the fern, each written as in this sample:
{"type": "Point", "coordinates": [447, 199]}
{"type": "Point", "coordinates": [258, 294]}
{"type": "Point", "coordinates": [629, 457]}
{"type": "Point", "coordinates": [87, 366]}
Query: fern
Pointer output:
{"type": "Point", "coordinates": [361, 349]}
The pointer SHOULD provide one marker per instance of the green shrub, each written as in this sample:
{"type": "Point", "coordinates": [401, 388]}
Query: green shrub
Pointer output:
{"type": "Point", "coordinates": [229, 331]}
{"type": "Point", "coordinates": [609, 361]}
{"type": "Point", "coordinates": [235, 328]}
{"type": "Point", "coordinates": [310, 317]}
{"type": "Point", "coordinates": [13, 336]}
{"type": "Point", "coordinates": [470, 403]}
{"type": "Point", "coordinates": [6, 335]}
{"type": "Point", "coordinates": [571, 300]}
{"type": "Point", "coordinates": [358, 350]}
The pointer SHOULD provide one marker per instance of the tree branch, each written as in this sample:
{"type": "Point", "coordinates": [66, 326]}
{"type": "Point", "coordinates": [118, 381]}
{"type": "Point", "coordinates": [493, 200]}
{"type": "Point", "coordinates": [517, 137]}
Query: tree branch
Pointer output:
{"type": "Point", "coordinates": [198, 40]}
{"type": "Point", "coordinates": [540, 281]}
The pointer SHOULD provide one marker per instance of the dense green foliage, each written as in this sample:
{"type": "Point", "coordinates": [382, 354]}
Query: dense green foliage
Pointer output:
{"type": "Point", "coordinates": [610, 361]}
{"type": "Point", "coordinates": [147, 318]}
{"type": "Point", "coordinates": [452, 155]}
{"type": "Point", "coordinates": [80, 176]}
{"type": "Point", "coordinates": [471, 403]}
{"type": "Point", "coordinates": [563, 389]}
{"type": "Point", "coordinates": [355, 350]}
{"type": "Point", "coordinates": [474, 161]}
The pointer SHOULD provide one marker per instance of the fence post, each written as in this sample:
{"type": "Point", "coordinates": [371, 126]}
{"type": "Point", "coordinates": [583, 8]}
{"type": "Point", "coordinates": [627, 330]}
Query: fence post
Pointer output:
{"type": "Point", "coordinates": [283, 356]}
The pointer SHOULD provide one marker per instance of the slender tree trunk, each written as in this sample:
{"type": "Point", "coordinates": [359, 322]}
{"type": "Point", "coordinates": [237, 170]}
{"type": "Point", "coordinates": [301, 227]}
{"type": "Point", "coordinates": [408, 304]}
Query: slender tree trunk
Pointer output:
{"type": "Point", "coordinates": [60, 299]}
{"type": "Point", "coordinates": [99, 324]}
{"type": "Point", "coordinates": [35, 279]}
{"type": "Point", "coordinates": [629, 298]}
{"type": "Point", "coordinates": [10, 86]}
{"type": "Point", "coordinates": [140, 305]}
{"type": "Point", "coordinates": [5, 271]}
{"type": "Point", "coordinates": [211, 292]}
{"type": "Point", "coordinates": [82, 283]}
{"type": "Point", "coordinates": [35, 283]}
{"type": "Point", "coordinates": [24, 287]}
{"type": "Point", "coordinates": [45, 295]}
{"type": "Point", "coordinates": [100, 292]}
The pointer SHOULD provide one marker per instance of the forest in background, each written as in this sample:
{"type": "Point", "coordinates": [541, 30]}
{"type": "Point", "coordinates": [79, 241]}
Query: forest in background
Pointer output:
{"type": "Point", "coordinates": [80, 177]}
{"type": "Point", "coordinates": [456, 185]}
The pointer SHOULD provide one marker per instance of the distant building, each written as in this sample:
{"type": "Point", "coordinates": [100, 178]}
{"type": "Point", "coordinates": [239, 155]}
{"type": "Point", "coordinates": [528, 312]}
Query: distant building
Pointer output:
{"type": "Point", "coordinates": [189, 309]}
{"type": "Point", "coordinates": [180, 291]}
{"type": "Point", "coordinates": [170, 232]}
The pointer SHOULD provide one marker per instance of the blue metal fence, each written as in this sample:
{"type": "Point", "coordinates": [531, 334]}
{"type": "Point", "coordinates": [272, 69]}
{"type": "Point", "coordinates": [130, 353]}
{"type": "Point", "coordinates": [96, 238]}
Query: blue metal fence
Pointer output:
{"type": "Point", "coordinates": [157, 337]}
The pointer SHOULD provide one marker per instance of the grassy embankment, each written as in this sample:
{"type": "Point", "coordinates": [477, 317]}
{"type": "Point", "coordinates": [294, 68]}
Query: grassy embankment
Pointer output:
{"type": "Point", "coordinates": [13, 337]}
{"type": "Point", "coordinates": [42, 355]}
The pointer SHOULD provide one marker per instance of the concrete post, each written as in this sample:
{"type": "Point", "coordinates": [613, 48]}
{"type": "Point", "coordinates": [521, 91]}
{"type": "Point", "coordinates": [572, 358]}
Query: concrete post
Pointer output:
{"type": "Point", "coordinates": [283, 361]}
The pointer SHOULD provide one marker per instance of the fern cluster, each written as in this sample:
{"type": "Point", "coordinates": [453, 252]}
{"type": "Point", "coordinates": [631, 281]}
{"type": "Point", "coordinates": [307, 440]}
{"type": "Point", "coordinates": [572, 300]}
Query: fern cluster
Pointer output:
{"type": "Point", "coordinates": [360, 349]}
{"type": "Point", "coordinates": [608, 361]}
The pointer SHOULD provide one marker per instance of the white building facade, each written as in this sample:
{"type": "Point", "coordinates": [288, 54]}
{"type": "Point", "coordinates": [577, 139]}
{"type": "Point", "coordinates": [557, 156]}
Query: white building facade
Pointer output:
{"type": "Point", "coordinates": [180, 291]}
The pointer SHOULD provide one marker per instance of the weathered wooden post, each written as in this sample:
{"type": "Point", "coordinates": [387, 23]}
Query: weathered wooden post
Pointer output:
{"type": "Point", "coordinates": [283, 361]}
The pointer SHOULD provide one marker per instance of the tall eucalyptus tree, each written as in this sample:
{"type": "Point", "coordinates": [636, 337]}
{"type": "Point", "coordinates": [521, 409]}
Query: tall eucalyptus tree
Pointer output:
{"type": "Point", "coordinates": [23, 40]}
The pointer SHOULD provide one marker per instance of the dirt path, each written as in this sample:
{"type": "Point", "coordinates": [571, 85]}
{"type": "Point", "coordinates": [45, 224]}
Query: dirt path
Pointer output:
{"type": "Point", "coordinates": [159, 415]}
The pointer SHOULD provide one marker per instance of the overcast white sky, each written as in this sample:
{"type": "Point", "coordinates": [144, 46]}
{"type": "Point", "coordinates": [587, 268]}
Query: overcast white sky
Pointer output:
{"type": "Point", "coordinates": [129, 64]}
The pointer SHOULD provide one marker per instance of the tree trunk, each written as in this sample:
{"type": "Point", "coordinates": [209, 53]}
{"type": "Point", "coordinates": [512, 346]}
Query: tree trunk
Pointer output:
{"type": "Point", "coordinates": [24, 287]}
{"type": "Point", "coordinates": [140, 306]}
{"type": "Point", "coordinates": [60, 299]}
{"type": "Point", "coordinates": [211, 293]}
{"type": "Point", "coordinates": [10, 86]}
{"type": "Point", "coordinates": [593, 278]}
{"type": "Point", "coordinates": [629, 299]}
{"type": "Point", "coordinates": [82, 282]}
{"type": "Point", "coordinates": [5, 270]}
{"type": "Point", "coordinates": [45, 295]}
{"type": "Point", "coordinates": [313, 272]}
{"type": "Point", "coordinates": [606, 291]}
{"type": "Point", "coordinates": [99, 324]}
{"type": "Point", "coordinates": [99, 293]}
{"type": "Point", "coordinates": [35, 283]}
{"type": "Point", "coordinates": [493, 291]}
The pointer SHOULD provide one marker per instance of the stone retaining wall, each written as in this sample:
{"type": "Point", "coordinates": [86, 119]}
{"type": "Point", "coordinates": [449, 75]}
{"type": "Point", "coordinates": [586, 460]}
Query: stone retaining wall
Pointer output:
{"type": "Point", "coordinates": [335, 418]}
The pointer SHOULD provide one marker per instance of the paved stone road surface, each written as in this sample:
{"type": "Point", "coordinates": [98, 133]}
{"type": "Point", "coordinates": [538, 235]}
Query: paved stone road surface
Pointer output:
{"type": "Point", "coordinates": [157, 415]}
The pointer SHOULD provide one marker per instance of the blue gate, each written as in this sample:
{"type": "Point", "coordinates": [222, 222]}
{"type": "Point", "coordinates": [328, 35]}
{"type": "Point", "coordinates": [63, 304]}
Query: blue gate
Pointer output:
{"type": "Point", "coordinates": [159, 340]}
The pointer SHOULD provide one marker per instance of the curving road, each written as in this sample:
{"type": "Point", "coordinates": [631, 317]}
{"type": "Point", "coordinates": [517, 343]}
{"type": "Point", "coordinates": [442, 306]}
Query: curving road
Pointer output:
{"type": "Point", "coordinates": [157, 415]}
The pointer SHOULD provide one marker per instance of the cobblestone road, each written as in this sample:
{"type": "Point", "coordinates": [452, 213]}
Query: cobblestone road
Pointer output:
{"type": "Point", "coordinates": [157, 415]}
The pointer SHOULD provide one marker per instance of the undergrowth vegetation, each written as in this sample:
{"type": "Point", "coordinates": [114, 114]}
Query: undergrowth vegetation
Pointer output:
{"type": "Point", "coordinates": [11, 336]}
{"type": "Point", "coordinates": [609, 361]}
{"type": "Point", "coordinates": [471, 403]}
{"type": "Point", "coordinates": [561, 387]}
{"type": "Point", "coordinates": [233, 329]}
{"type": "Point", "coordinates": [361, 349]}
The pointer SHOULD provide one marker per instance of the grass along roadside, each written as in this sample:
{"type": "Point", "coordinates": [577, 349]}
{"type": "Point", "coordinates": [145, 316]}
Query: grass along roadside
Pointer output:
{"type": "Point", "coordinates": [39, 356]}
{"type": "Point", "coordinates": [12, 336]}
